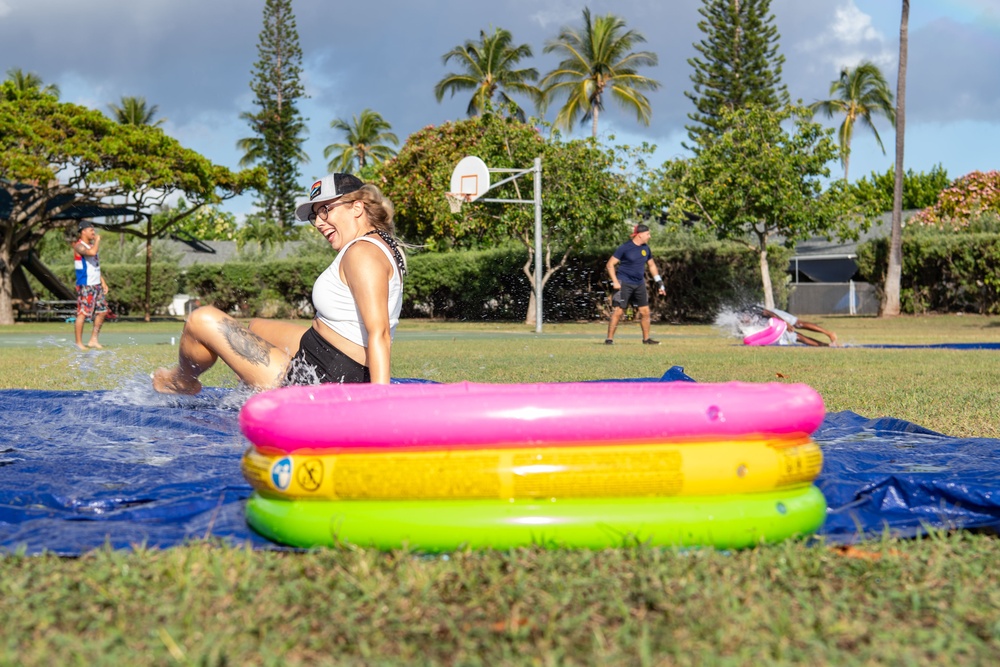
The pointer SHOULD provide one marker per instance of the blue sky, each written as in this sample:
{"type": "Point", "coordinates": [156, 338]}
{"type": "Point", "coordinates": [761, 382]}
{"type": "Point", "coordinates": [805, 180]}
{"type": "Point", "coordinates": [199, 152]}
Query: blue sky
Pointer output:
{"type": "Point", "coordinates": [193, 58]}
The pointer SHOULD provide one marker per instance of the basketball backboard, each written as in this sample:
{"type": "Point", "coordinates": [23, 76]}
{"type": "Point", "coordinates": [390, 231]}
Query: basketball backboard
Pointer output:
{"type": "Point", "coordinates": [471, 177]}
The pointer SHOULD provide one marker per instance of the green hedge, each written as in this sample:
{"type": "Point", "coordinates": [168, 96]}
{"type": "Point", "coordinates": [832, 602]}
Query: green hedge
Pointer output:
{"type": "Point", "coordinates": [491, 284]}
{"type": "Point", "coordinates": [277, 288]}
{"type": "Point", "coordinates": [942, 271]}
{"type": "Point", "coordinates": [127, 285]}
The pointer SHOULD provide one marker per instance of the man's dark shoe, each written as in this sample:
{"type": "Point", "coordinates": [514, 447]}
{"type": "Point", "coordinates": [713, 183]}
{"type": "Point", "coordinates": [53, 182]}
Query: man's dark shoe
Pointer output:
{"type": "Point", "coordinates": [608, 341]}
{"type": "Point", "coordinates": [650, 341]}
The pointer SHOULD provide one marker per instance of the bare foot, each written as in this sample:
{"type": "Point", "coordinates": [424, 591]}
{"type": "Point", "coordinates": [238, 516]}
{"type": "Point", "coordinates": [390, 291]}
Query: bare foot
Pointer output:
{"type": "Point", "coordinates": [165, 381]}
{"type": "Point", "coordinates": [95, 345]}
{"type": "Point", "coordinates": [81, 346]}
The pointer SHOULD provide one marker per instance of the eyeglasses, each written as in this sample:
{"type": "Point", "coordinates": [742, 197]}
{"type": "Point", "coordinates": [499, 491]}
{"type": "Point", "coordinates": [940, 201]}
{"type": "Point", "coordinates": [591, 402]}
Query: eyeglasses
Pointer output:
{"type": "Point", "coordinates": [324, 211]}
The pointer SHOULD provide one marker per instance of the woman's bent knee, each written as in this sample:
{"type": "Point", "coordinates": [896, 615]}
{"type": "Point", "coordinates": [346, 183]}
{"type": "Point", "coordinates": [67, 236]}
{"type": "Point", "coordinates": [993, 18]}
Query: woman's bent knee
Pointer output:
{"type": "Point", "coordinates": [203, 318]}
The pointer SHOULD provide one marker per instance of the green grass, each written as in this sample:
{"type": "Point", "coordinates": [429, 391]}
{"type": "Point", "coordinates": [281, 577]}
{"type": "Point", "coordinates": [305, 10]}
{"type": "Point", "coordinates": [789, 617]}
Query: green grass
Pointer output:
{"type": "Point", "coordinates": [929, 601]}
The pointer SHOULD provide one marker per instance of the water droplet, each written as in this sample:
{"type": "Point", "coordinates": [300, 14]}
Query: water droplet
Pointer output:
{"type": "Point", "coordinates": [741, 471]}
{"type": "Point", "coordinates": [781, 508]}
{"type": "Point", "coordinates": [714, 413]}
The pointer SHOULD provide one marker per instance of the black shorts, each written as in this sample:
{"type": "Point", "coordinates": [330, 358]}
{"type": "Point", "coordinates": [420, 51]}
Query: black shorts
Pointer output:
{"type": "Point", "coordinates": [634, 293]}
{"type": "Point", "coordinates": [319, 362]}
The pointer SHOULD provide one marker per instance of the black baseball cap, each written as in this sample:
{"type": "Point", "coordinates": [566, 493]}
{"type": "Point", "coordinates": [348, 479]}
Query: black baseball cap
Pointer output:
{"type": "Point", "coordinates": [83, 224]}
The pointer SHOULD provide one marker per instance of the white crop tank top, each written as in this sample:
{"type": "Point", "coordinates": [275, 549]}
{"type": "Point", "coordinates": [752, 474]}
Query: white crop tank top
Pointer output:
{"type": "Point", "coordinates": [335, 305]}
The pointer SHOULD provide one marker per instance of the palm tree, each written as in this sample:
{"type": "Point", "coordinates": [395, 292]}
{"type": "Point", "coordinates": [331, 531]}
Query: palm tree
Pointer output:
{"type": "Point", "coordinates": [135, 111]}
{"type": "Point", "coordinates": [859, 94]}
{"type": "Point", "coordinates": [894, 271]}
{"type": "Point", "coordinates": [599, 60]}
{"type": "Point", "coordinates": [490, 70]}
{"type": "Point", "coordinates": [368, 138]}
{"type": "Point", "coordinates": [23, 84]}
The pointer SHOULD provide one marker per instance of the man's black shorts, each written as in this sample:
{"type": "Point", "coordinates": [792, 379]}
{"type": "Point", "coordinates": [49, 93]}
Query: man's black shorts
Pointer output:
{"type": "Point", "coordinates": [634, 293]}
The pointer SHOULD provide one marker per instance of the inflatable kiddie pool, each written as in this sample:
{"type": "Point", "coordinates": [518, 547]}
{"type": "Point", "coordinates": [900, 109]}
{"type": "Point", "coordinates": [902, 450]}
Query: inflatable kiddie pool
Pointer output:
{"type": "Point", "coordinates": [589, 465]}
{"type": "Point", "coordinates": [769, 335]}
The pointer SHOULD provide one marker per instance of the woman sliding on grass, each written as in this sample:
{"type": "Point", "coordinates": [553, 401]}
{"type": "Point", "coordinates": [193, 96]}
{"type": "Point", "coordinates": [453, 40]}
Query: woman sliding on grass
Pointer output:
{"type": "Point", "coordinates": [794, 323]}
{"type": "Point", "coordinates": [357, 300]}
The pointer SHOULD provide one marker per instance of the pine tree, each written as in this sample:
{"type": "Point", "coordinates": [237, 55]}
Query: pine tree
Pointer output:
{"type": "Point", "coordinates": [279, 129]}
{"type": "Point", "coordinates": [739, 64]}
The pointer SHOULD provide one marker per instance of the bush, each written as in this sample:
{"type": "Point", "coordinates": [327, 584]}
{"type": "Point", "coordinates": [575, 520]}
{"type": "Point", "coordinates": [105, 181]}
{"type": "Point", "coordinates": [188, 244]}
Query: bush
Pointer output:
{"type": "Point", "coordinates": [701, 278]}
{"type": "Point", "coordinates": [942, 271]}
{"type": "Point", "coordinates": [473, 285]}
{"type": "Point", "coordinates": [245, 288]}
{"type": "Point", "coordinates": [127, 285]}
{"type": "Point", "coordinates": [968, 198]}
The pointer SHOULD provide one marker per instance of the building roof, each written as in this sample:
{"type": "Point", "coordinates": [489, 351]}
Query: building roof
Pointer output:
{"type": "Point", "coordinates": [218, 252]}
{"type": "Point", "coordinates": [833, 261]}
{"type": "Point", "coordinates": [818, 246]}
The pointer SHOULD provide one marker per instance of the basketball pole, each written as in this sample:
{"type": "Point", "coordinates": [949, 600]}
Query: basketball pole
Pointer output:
{"type": "Point", "coordinates": [536, 172]}
{"type": "Point", "coordinates": [538, 244]}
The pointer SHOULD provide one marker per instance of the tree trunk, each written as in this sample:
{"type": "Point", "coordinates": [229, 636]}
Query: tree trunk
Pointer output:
{"type": "Point", "coordinates": [894, 272]}
{"type": "Point", "coordinates": [6, 285]}
{"type": "Point", "coordinates": [530, 318]}
{"type": "Point", "coordinates": [765, 277]}
{"type": "Point", "coordinates": [149, 268]}
{"type": "Point", "coordinates": [549, 271]}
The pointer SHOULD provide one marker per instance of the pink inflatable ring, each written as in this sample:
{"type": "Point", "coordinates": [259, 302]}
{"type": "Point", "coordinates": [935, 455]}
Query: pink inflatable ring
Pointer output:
{"type": "Point", "coordinates": [338, 418]}
{"type": "Point", "coordinates": [770, 335]}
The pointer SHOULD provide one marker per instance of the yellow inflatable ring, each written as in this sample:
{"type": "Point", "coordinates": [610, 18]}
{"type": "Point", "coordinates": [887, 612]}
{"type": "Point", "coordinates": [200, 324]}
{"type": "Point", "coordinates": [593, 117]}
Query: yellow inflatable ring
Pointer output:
{"type": "Point", "coordinates": [585, 471]}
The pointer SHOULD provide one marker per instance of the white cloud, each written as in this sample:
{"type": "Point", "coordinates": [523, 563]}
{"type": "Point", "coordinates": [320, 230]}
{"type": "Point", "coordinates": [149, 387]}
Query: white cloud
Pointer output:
{"type": "Point", "coordinates": [852, 26]}
{"type": "Point", "coordinates": [850, 38]}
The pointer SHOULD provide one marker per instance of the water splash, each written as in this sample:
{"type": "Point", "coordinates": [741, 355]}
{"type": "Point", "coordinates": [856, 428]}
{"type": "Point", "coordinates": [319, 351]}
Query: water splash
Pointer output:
{"type": "Point", "coordinates": [738, 323]}
{"type": "Point", "coordinates": [302, 372]}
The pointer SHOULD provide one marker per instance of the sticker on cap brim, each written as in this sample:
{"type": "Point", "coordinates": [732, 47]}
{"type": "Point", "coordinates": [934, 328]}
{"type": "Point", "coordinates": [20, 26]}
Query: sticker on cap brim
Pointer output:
{"type": "Point", "coordinates": [316, 189]}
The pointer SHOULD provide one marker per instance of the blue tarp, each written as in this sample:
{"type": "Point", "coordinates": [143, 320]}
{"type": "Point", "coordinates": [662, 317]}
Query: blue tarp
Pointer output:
{"type": "Point", "coordinates": [935, 346]}
{"type": "Point", "coordinates": [84, 469]}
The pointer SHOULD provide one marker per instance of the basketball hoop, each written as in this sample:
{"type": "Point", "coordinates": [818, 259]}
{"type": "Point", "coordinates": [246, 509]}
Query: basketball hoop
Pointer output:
{"type": "Point", "coordinates": [455, 200]}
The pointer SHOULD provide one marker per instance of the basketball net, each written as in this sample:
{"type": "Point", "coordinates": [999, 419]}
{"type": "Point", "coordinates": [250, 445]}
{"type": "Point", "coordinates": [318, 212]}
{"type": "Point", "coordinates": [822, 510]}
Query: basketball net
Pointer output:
{"type": "Point", "coordinates": [455, 201]}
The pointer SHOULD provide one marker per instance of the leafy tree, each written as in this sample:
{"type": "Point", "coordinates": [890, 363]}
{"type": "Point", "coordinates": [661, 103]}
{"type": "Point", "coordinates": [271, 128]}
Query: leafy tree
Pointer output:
{"type": "Point", "coordinates": [738, 65]}
{"type": "Point", "coordinates": [598, 60]}
{"type": "Point", "coordinates": [208, 223]}
{"type": "Point", "coordinates": [278, 128]}
{"type": "Point", "coordinates": [919, 190]}
{"type": "Point", "coordinates": [56, 158]}
{"type": "Point", "coordinates": [858, 94]}
{"type": "Point", "coordinates": [20, 84]}
{"type": "Point", "coordinates": [135, 111]}
{"type": "Point", "coordinates": [490, 71]}
{"type": "Point", "coordinates": [260, 233]}
{"type": "Point", "coordinates": [757, 183]}
{"type": "Point", "coordinates": [894, 271]}
{"type": "Point", "coordinates": [368, 138]}
{"type": "Point", "coordinates": [585, 199]}
{"type": "Point", "coordinates": [967, 200]}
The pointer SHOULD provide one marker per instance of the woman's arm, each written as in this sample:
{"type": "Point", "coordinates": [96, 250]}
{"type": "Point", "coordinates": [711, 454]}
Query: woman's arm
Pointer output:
{"type": "Point", "coordinates": [367, 271]}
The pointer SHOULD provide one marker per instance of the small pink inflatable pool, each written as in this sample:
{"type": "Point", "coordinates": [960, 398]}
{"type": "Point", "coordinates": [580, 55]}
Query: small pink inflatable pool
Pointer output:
{"type": "Point", "coordinates": [770, 335]}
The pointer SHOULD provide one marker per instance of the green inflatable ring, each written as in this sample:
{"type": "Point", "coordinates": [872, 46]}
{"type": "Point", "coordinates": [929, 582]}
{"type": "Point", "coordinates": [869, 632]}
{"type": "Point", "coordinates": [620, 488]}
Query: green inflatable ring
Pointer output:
{"type": "Point", "coordinates": [732, 521]}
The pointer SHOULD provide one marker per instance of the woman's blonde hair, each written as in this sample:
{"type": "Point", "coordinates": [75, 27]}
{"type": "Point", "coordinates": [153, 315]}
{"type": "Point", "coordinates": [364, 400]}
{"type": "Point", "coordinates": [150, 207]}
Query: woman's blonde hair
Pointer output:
{"type": "Point", "coordinates": [378, 207]}
{"type": "Point", "coordinates": [379, 210]}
